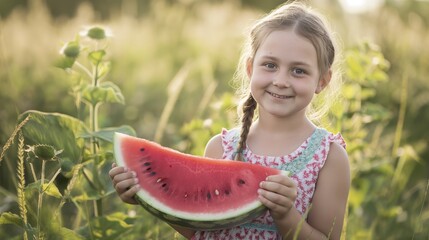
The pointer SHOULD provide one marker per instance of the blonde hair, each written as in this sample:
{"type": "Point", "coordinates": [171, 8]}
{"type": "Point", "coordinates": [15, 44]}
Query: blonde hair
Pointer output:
{"type": "Point", "coordinates": [305, 22]}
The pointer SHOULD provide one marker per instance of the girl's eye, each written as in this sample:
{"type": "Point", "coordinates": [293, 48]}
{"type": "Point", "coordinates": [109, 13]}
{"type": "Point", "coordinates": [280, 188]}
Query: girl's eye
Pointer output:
{"type": "Point", "coordinates": [270, 65]}
{"type": "Point", "coordinates": [298, 71]}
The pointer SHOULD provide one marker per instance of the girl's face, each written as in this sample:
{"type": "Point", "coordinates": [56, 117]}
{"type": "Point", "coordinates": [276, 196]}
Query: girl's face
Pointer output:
{"type": "Point", "coordinates": [284, 74]}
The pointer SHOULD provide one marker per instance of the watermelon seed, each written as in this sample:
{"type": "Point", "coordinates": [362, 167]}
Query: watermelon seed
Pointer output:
{"type": "Point", "coordinates": [216, 192]}
{"type": "Point", "coordinates": [227, 192]}
{"type": "Point", "coordinates": [148, 169]}
{"type": "Point", "coordinates": [209, 196]}
{"type": "Point", "coordinates": [146, 163]}
{"type": "Point", "coordinates": [153, 173]}
{"type": "Point", "coordinates": [163, 185]}
{"type": "Point", "coordinates": [186, 195]}
{"type": "Point", "coordinates": [142, 149]}
{"type": "Point", "coordinates": [159, 180]}
{"type": "Point", "coordinates": [241, 182]}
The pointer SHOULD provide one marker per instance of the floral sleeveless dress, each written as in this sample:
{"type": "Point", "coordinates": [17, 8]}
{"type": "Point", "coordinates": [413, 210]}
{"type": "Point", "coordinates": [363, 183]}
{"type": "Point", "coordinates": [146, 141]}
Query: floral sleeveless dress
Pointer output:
{"type": "Point", "coordinates": [304, 165]}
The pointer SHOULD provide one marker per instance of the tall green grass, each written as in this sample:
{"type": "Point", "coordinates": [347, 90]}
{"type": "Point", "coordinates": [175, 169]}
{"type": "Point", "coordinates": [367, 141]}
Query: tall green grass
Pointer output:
{"type": "Point", "coordinates": [198, 45]}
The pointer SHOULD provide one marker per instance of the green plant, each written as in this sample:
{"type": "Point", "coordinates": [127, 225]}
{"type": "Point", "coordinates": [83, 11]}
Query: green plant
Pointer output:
{"type": "Point", "coordinates": [84, 156]}
{"type": "Point", "coordinates": [149, 49]}
{"type": "Point", "coordinates": [384, 202]}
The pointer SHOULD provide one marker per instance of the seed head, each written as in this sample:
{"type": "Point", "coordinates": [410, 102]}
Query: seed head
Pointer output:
{"type": "Point", "coordinates": [96, 33]}
{"type": "Point", "coordinates": [43, 152]}
{"type": "Point", "coordinates": [71, 49]}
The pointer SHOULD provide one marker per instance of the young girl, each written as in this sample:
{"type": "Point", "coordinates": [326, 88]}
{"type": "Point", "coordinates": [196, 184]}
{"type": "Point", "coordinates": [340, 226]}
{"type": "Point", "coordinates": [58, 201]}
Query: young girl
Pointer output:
{"type": "Point", "coordinates": [287, 62]}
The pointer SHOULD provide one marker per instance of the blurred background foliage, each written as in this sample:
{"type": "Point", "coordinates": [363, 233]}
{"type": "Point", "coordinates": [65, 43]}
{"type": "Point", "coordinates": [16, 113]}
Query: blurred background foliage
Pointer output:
{"type": "Point", "coordinates": [174, 61]}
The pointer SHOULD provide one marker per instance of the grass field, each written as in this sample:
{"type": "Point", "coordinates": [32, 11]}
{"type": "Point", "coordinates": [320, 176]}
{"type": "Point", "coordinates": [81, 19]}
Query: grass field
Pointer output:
{"type": "Point", "coordinates": [173, 66]}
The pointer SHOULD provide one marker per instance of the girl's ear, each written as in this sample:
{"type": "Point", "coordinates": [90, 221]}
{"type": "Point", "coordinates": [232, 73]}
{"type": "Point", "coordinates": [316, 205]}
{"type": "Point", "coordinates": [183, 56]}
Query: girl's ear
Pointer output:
{"type": "Point", "coordinates": [249, 67]}
{"type": "Point", "coordinates": [324, 81]}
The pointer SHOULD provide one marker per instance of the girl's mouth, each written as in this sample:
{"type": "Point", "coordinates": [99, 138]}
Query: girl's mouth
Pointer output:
{"type": "Point", "coordinates": [279, 96]}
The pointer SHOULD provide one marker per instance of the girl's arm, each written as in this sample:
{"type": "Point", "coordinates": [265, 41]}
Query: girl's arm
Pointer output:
{"type": "Point", "coordinates": [326, 214]}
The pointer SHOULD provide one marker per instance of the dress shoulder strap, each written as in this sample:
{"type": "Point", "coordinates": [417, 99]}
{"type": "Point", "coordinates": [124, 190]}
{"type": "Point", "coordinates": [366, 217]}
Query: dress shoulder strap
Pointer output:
{"type": "Point", "coordinates": [315, 142]}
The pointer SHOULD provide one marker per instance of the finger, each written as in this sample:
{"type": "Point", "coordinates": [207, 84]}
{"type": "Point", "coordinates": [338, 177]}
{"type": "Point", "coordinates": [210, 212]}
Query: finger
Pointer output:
{"type": "Point", "coordinates": [123, 176]}
{"type": "Point", "coordinates": [116, 170]}
{"type": "Point", "coordinates": [290, 192]}
{"type": "Point", "coordinates": [128, 196]}
{"type": "Point", "coordinates": [273, 186]}
{"type": "Point", "coordinates": [280, 184]}
{"type": "Point", "coordinates": [284, 180]}
{"type": "Point", "coordinates": [275, 204]}
{"type": "Point", "coordinates": [114, 165]}
{"type": "Point", "coordinates": [123, 186]}
{"type": "Point", "coordinates": [275, 198]}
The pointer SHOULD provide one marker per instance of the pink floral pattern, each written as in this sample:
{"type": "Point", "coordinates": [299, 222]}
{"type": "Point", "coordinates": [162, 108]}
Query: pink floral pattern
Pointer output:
{"type": "Point", "coordinates": [263, 227]}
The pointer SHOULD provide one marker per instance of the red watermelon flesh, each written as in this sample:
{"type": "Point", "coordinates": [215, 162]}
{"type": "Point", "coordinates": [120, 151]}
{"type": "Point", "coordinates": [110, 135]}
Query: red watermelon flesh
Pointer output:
{"type": "Point", "coordinates": [189, 190]}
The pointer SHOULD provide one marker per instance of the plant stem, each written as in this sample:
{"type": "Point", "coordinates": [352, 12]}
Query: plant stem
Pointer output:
{"type": "Point", "coordinates": [33, 172]}
{"type": "Point", "coordinates": [401, 117]}
{"type": "Point", "coordinates": [96, 75]}
{"type": "Point", "coordinates": [39, 202]}
{"type": "Point", "coordinates": [94, 127]}
{"type": "Point", "coordinates": [83, 68]}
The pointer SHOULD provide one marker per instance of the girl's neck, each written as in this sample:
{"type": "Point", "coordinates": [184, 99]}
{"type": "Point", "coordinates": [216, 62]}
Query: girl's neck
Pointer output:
{"type": "Point", "coordinates": [285, 127]}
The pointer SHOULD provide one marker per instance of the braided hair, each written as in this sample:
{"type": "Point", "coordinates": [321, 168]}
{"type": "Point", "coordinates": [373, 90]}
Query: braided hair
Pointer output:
{"type": "Point", "coordinates": [249, 107]}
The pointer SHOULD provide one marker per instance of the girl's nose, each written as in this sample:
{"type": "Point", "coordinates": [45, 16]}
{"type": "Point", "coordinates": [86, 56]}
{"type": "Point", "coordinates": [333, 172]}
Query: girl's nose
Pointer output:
{"type": "Point", "coordinates": [281, 81]}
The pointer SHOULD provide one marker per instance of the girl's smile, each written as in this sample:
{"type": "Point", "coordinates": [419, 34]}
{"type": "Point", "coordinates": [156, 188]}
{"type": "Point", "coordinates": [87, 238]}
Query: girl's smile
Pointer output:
{"type": "Point", "coordinates": [279, 96]}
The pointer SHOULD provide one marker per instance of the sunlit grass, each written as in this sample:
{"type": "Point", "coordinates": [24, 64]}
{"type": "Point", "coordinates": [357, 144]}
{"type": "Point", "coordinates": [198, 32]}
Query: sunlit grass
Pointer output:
{"type": "Point", "coordinates": [148, 51]}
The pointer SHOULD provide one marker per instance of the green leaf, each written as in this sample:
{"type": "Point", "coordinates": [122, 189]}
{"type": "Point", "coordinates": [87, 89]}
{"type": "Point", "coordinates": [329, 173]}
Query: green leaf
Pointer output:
{"type": "Point", "coordinates": [58, 130]}
{"type": "Point", "coordinates": [50, 190]}
{"type": "Point", "coordinates": [64, 62]}
{"type": "Point", "coordinates": [11, 218]}
{"type": "Point", "coordinates": [6, 201]}
{"type": "Point", "coordinates": [367, 93]}
{"type": "Point", "coordinates": [349, 91]}
{"type": "Point", "coordinates": [107, 133]}
{"type": "Point", "coordinates": [379, 75]}
{"type": "Point", "coordinates": [109, 227]}
{"type": "Point", "coordinates": [359, 193]}
{"type": "Point", "coordinates": [104, 68]}
{"type": "Point", "coordinates": [70, 234]}
{"type": "Point", "coordinates": [337, 109]}
{"type": "Point", "coordinates": [93, 187]}
{"type": "Point", "coordinates": [105, 92]}
{"type": "Point", "coordinates": [96, 56]}
{"type": "Point", "coordinates": [376, 111]}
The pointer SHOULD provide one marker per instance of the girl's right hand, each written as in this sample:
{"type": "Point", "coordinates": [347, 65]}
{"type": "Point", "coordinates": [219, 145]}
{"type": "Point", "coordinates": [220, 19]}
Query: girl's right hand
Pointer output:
{"type": "Point", "coordinates": [125, 183]}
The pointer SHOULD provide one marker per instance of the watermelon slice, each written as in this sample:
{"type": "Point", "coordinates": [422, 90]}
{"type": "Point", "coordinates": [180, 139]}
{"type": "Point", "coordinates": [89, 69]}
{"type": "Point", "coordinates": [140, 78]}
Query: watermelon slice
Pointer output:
{"type": "Point", "coordinates": [191, 191]}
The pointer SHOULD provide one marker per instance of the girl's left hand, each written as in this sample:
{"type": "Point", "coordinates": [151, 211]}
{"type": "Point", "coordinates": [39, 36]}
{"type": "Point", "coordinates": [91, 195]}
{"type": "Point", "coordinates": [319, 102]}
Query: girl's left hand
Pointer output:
{"type": "Point", "coordinates": [278, 193]}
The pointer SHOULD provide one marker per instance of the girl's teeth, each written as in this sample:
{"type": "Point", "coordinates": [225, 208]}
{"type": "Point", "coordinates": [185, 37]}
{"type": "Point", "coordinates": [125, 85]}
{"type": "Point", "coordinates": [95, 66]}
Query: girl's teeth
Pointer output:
{"type": "Point", "coordinates": [278, 96]}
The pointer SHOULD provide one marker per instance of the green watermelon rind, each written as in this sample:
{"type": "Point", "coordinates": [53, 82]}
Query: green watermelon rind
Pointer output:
{"type": "Point", "coordinates": [199, 221]}
{"type": "Point", "coordinates": [203, 224]}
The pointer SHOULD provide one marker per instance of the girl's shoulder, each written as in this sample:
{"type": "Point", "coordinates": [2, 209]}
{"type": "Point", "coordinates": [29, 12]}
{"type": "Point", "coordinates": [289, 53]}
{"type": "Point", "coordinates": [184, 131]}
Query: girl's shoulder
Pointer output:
{"type": "Point", "coordinates": [214, 147]}
{"type": "Point", "coordinates": [337, 157]}
{"type": "Point", "coordinates": [335, 138]}
{"type": "Point", "coordinates": [230, 135]}
{"type": "Point", "coordinates": [322, 140]}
